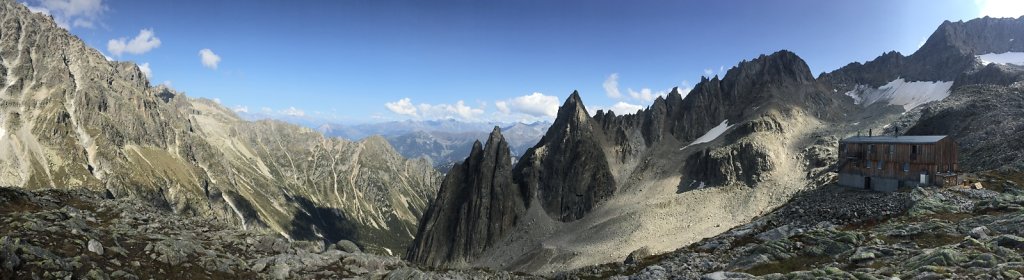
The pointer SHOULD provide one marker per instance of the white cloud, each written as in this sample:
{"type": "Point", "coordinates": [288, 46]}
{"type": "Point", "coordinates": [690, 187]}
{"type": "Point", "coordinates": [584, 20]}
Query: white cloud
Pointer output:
{"type": "Point", "coordinates": [646, 95]}
{"type": "Point", "coordinates": [142, 43]}
{"type": "Point", "coordinates": [292, 111]}
{"type": "Point", "coordinates": [536, 104]}
{"type": "Point", "coordinates": [402, 107]}
{"type": "Point", "coordinates": [611, 86]}
{"type": "Point", "coordinates": [685, 88]}
{"type": "Point", "coordinates": [502, 107]}
{"type": "Point", "coordinates": [625, 108]}
{"type": "Point", "coordinates": [216, 100]}
{"type": "Point", "coordinates": [167, 83]}
{"type": "Point", "coordinates": [145, 70]}
{"type": "Point", "coordinates": [240, 109]}
{"type": "Point", "coordinates": [708, 72]}
{"type": "Point", "coordinates": [458, 110]}
{"type": "Point", "coordinates": [446, 111]}
{"type": "Point", "coordinates": [209, 59]}
{"type": "Point", "coordinates": [70, 13]}
{"type": "Point", "coordinates": [1000, 8]}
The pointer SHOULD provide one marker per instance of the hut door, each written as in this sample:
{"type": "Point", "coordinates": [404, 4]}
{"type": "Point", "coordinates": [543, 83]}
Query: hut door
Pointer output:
{"type": "Point", "coordinates": [867, 183]}
{"type": "Point", "coordinates": [924, 178]}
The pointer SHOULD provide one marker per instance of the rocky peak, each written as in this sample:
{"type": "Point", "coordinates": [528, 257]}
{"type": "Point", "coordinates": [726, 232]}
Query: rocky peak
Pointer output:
{"type": "Point", "coordinates": [977, 36]}
{"type": "Point", "coordinates": [495, 136]}
{"type": "Point", "coordinates": [568, 168]}
{"type": "Point", "coordinates": [573, 109]}
{"type": "Point", "coordinates": [476, 206]}
{"type": "Point", "coordinates": [781, 67]}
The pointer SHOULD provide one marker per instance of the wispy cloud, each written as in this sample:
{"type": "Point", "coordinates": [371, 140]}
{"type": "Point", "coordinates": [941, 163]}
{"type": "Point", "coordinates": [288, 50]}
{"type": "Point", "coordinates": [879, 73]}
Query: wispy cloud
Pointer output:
{"type": "Point", "coordinates": [611, 86]}
{"type": "Point", "coordinates": [646, 94]}
{"type": "Point", "coordinates": [142, 43]}
{"type": "Point", "coordinates": [70, 13]}
{"type": "Point", "coordinates": [293, 112]}
{"type": "Point", "coordinates": [209, 59]}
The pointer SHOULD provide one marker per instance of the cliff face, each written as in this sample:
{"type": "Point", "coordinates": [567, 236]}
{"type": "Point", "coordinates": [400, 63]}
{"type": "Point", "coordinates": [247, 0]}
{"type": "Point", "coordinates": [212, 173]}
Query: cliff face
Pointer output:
{"type": "Point", "coordinates": [476, 206]}
{"type": "Point", "coordinates": [567, 170]}
{"type": "Point", "coordinates": [71, 119]}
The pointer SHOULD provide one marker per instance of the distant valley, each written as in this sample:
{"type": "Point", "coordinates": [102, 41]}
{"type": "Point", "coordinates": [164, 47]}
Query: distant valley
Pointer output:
{"type": "Point", "coordinates": [443, 142]}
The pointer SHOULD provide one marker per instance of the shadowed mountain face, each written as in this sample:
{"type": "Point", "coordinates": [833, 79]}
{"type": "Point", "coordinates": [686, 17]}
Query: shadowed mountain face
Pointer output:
{"type": "Point", "coordinates": [71, 119]}
{"type": "Point", "coordinates": [476, 205]}
{"type": "Point", "coordinates": [568, 168]}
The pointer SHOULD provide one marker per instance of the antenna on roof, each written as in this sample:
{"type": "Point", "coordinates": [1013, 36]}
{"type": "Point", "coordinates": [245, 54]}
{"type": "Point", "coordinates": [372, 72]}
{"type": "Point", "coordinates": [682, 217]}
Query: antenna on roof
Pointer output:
{"type": "Point", "coordinates": [869, 132]}
{"type": "Point", "coordinates": [897, 132]}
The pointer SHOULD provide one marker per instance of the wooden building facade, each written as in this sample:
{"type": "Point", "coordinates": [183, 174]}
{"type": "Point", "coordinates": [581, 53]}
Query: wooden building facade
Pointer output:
{"type": "Point", "coordinates": [887, 163]}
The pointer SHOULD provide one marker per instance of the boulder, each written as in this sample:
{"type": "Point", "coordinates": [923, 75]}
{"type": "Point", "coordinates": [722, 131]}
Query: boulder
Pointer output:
{"type": "Point", "coordinates": [95, 247]}
{"type": "Point", "coordinates": [638, 255]}
{"type": "Point", "coordinates": [779, 233]}
{"type": "Point", "coordinates": [347, 246]}
{"type": "Point", "coordinates": [724, 275]}
{"type": "Point", "coordinates": [939, 257]}
{"type": "Point", "coordinates": [1009, 241]}
{"type": "Point", "coordinates": [8, 256]}
{"type": "Point", "coordinates": [980, 232]}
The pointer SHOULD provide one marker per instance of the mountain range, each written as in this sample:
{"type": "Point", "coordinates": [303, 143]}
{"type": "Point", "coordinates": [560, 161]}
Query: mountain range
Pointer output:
{"type": "Point", "coordinates": [596, 189]}
{"type": "Point", "coordinates": [443, 142]}
{"type": "Point", "coordinates": [733, 179]}
{"type": "Point", "coordinates": [70, 119]}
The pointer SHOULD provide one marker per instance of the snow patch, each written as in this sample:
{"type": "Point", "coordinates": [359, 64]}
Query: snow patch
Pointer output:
{"type": "Point", "coordinates": [1015, 58]}
{"type": "Point", "coordinates": [711, 135]}
{"type": "Point", "coordinates": [900, 92]}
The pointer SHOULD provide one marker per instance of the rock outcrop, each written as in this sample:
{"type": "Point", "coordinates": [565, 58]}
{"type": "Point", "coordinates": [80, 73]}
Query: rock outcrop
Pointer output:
{"type": "Point", "coordinates": [477, 205]}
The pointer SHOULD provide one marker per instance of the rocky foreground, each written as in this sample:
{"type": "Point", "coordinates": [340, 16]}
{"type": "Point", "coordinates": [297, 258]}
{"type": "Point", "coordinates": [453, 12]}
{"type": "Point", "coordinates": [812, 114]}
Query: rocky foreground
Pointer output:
{"type": "Point", "coordinates": [834, 233]}
{"type": "Point", "coordinates": [59, 234]}
{"type": "Point", "coordinates": [828, 232]}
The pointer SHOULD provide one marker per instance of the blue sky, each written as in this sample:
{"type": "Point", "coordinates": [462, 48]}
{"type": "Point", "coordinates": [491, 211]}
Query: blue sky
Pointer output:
{"type": "Point", "coordinates": [367, 61]}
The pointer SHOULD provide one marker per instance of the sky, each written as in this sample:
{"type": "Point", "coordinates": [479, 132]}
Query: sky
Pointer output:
{"type": "Point", "coordinates": [481, 61]}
